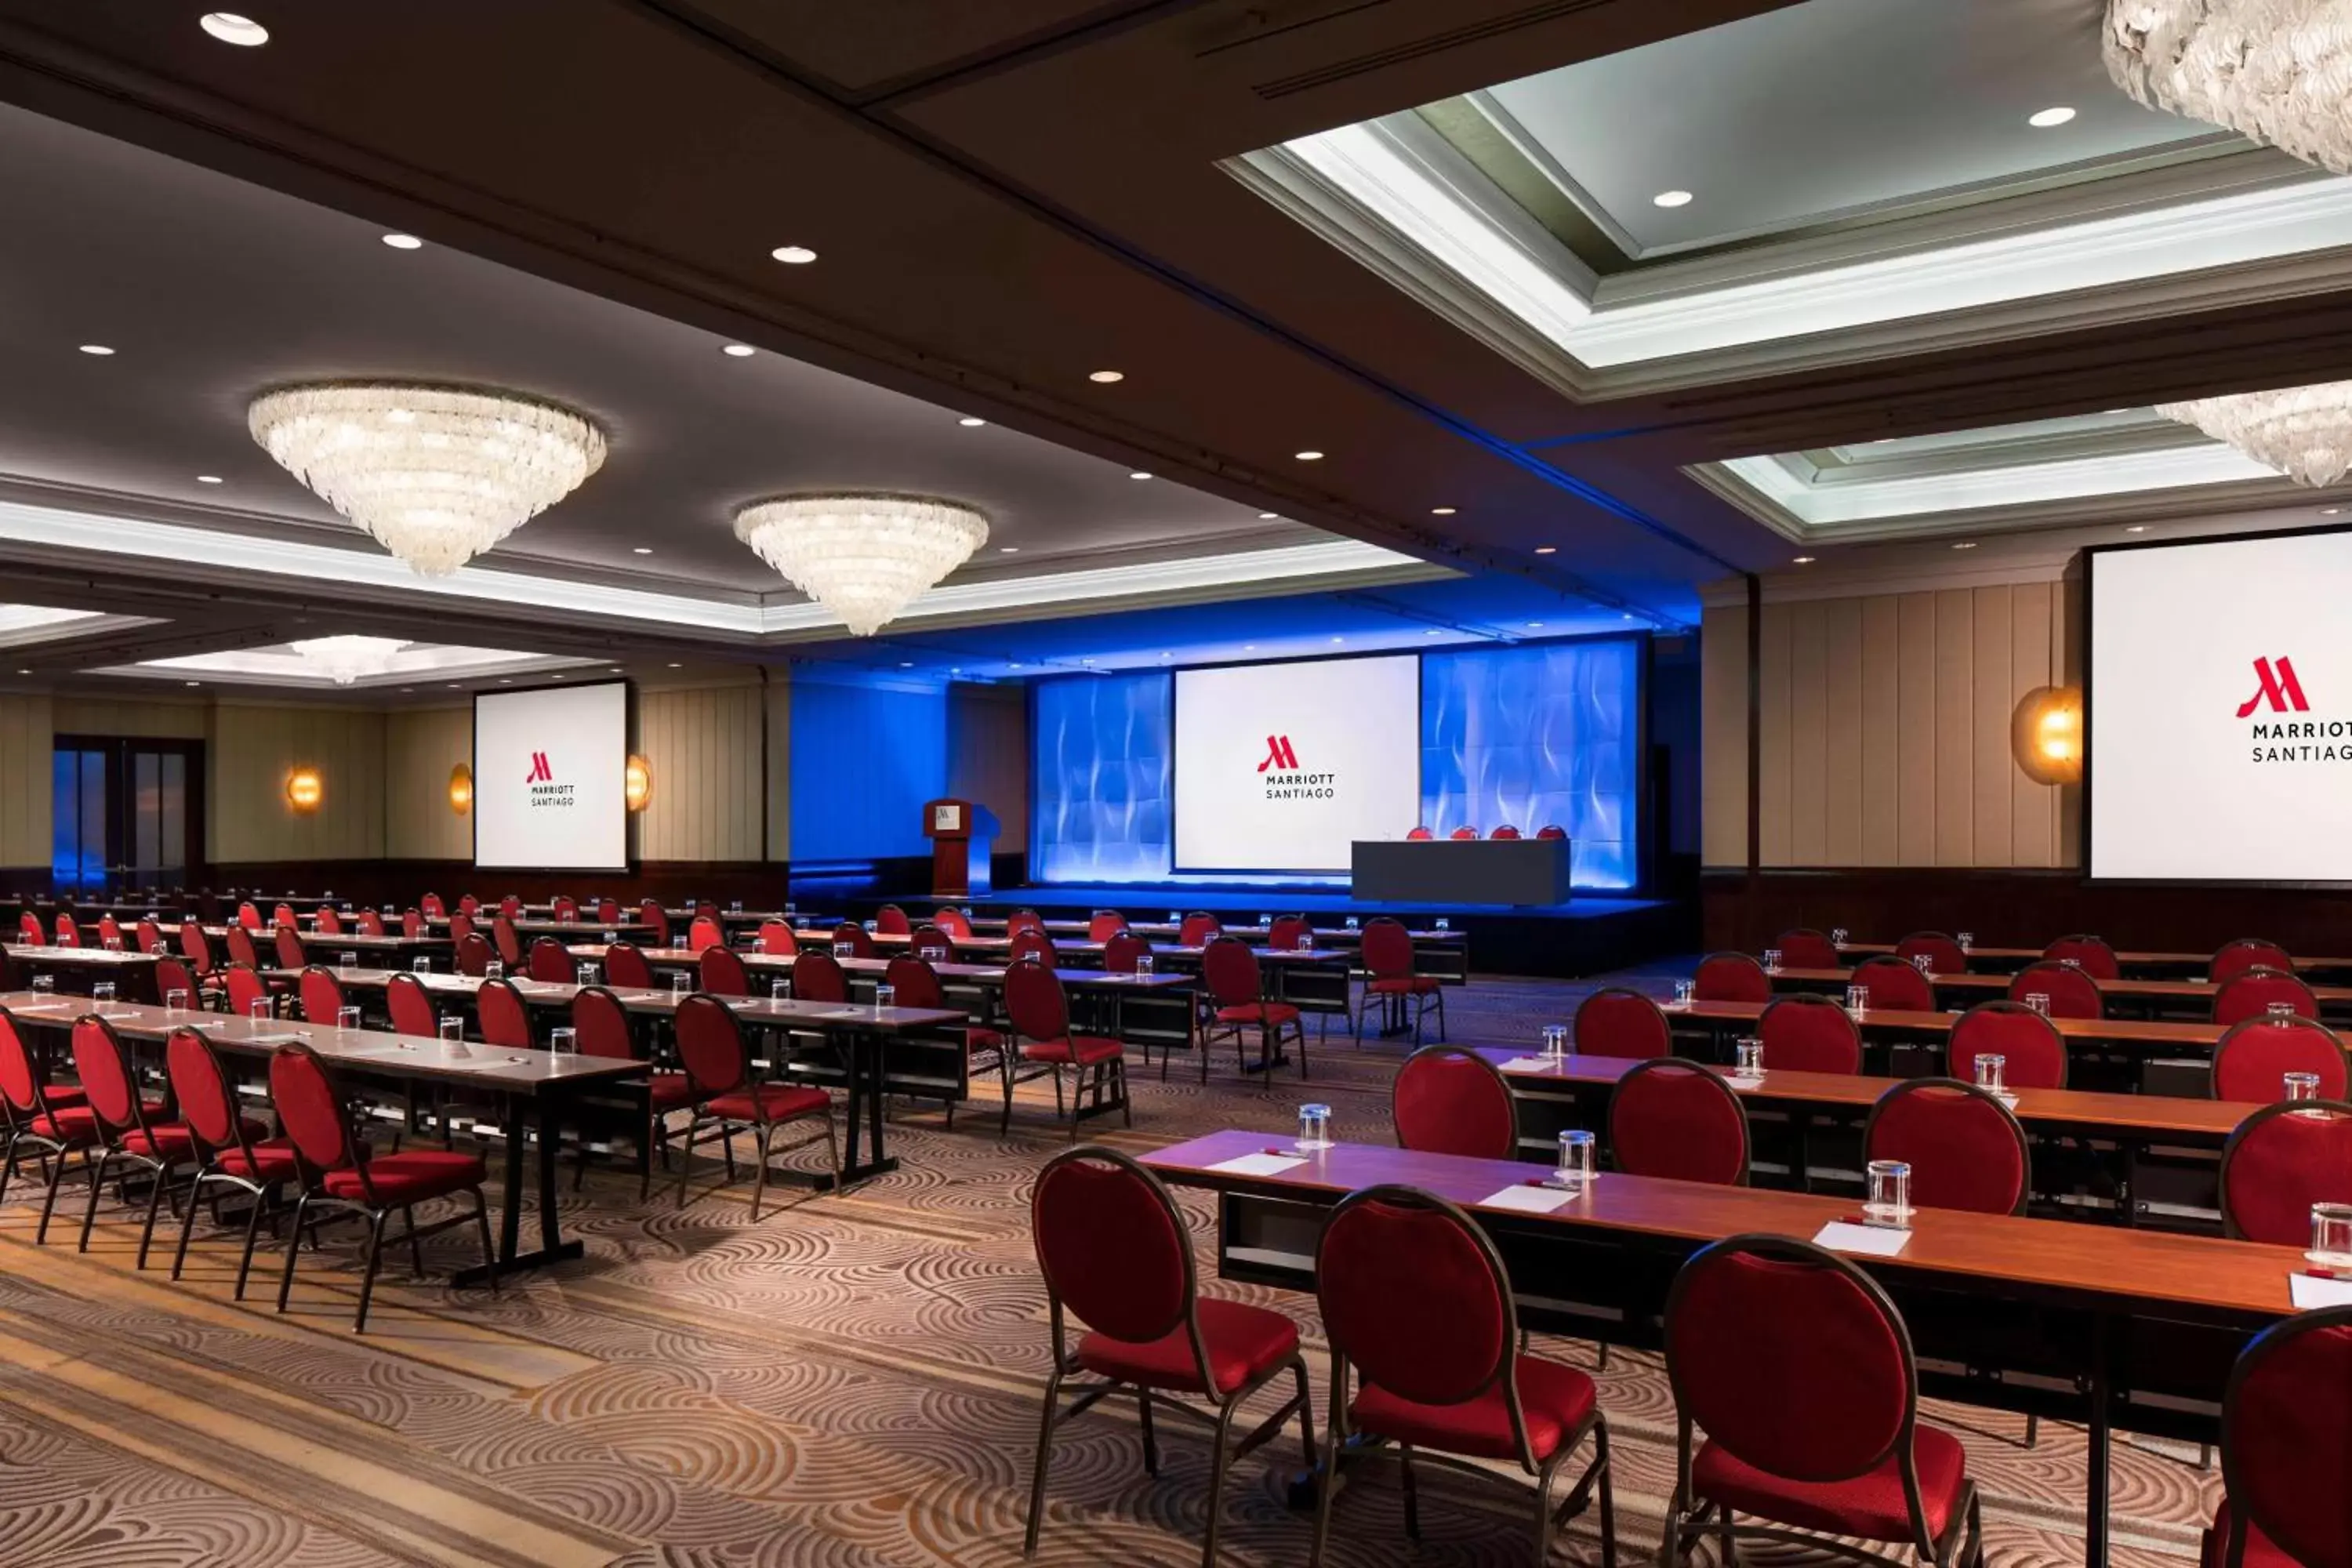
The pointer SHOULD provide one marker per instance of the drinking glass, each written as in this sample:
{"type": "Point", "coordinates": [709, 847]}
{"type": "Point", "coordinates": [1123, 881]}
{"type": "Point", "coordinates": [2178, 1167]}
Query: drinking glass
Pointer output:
{"type": "Point", "coordinates": [1175, 917]}
{"type": "Point", "coordinates": [1445, 923]}
{"type": "Point", "coordinates": [734, 906]}
{"type": "Point", "coordinates": [934, 955]}
{"type": "Point", "coordinates": [347, 961]}
{"type": "Point", "coordinates": [494, 970]}
{"type": "Point", "coordinates": [1265, 920]}
{"type": "Point", "coordinates": [1142, 964]}
{"type": "Point", "coordinates": [347, 1018]}
{"type": "Point", "coordinates": [607, 937]}
{"type": "Point", "coordinates": [1925, 964]}
{"type": "Point", "coordinates": [114, 944]}
{"type": "Point", "coordinates": [781, 990]}
{"type": "Point", "coordinates": [1686, 993]}
{"type": "Point", "coordinates": [1750, 1057]}
{"type": "Point", "coordinates": [2279, 1012]}
{"type": "Point", "coordinates": [1555, 1040]}
{"type": "Point", "coordinates": [2039, 1001]}
{"type": "Point", "coordinates": [2301, 1085]}
{"type": "Point", "coordinates": [44, 983]}
{"type": "Point", "coordinates": [563, 1041]}
{"type": "Point", "coordinates": [452, 1027]}
{"type": "Point", "coordinates": [1355, 923]}
{"type": "Point", "coordinates": [1857, 1000]}
{"type": "Point", "coordinates": [175, 1001]}
{"type": "Point", "coordinates": [1575, 1170]}
{"type": "Point", "coordinates": [678, 984]}
{"type": "Point", "coordinates": [1771, 961]}
{"type": "Point", "coordinates": [258, 1009]}
{"type": "Point", "coordinates": [884, 997]}
{"type": "Point", "coordinates": [1314, 1128]}
{"type": "Point", "coordinates": [420, 965]}
{"type": "Point", "coordinates": [791, 908]}
{"type": "Point", "coordinates": [839, 949]}
{"type": "Point", "coordinates": [1837, 935]}
{"type": "Point", "coordinates": [1991, 1066]}
{"type": "Point", "coordinates": [1306, 942]}
{"type": "Point", "coordinates": [102, 992]}
{"type": "Point", "coordinates": [1888, 1202]}
{"type": "Point", "coordinates": [583, 975]}
{"type": "Point", "coordinates": [2331, 1236]}
{"type": "Point", "coordinates": [870, 927]}
{"type": "Point", "coordinates": [1967, 940]}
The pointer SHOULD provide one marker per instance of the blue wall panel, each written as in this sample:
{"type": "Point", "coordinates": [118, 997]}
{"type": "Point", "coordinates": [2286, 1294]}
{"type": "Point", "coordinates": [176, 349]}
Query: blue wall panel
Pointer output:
{"type": "Point", "coordinates": [1103, 782]}
{"type": "Point", "coordinates": [864, 759]}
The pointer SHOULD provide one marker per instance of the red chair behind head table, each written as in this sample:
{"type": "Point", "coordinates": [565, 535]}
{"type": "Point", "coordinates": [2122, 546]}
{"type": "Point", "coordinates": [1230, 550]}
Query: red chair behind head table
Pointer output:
{"type": "Point", "coordinates": [229, 1148]}
{"type": "Point", "coordinates": [2278, 1163]}
{"type": "Point", "coordinates": [1807, 1032]}
{"type": "Point", "coordinates": [703, 934]}
{"type": "Point", "coordinates": [410, 1006]}
{"type": "Point", "coordinates": [1506, 831]}
{"type": "Point", "coordinates": [551, 962]}
{"type": "Point", "coordinates": [600, 1026]}
{"type": "Point", "coordinates": [338, 1176]}
{"type": "Point", "coordinates": [1418, 1308]}
{"type": "Point", "coordinates": [2284, 1452]}
{"type": "Point", "coordinates": [1895, 985]}
{"type": "Point", "coordinates": [504, 1019]}
{"type": "Point", "coordinates": [2095, 958]}
{"type": "Point", "coordinates": [1800, 1373]}
{"type": "Point", "coordinates": [1419, 834]}
{"type": "Point", "coordinates": [1039, 1014]}
{"type": "Point", "coordinates": [723, 1094]}
{"type": "Point", "coordinates": [1464, 832]}
{"type": "Point", "coordinates": [722, 972]}
{"type": "Point", "coordinates": [855, 937]}
{"type": "Point", "coordinates": [2034, 1052]}
{"type": "Point", "coordinates": [2252, 993]}
{"type": "Point", "coordinates": [1116, 1255]}
{"type": "Point", "coordinates": [1390, 974]}
{"type": "Point", "coordinates": [1237, 999]}
{"type": "Point", "coordinates": [2073, 992]}
{"type": "Point", "coordinates": [1617, 1022]}
{"type": "Point", "coordinates": [1448, 1100]}
{"type": "Point", "coordinates": [1944, 953]}
{"type": "Point", "coordinates": [45, 1122]}
{"type": "Point", "coordinates": [2247, 953]}
{"type": "Point", "coordinates": [627, 966]}
{"type": "Point", "coordinates": [777, 941]}
{"type": "Point", "coordinates": [1805, 948]}
{"type": "Point", "coordinates": [134, 1132]}
{"type": "Point", "coordinates": [2252, 1060]}
{"type": "Point", "coordinates": [1104, 924]}
{"type": "Point", "coordinates": [1551, 830]}
{"type": "Point", "coordinates": [474, 954]}
{"type": "Point", "coordinates": [953, 922]}
{"type": "Point", "coordinates": [1198, 929]}
{"type": "Point", "coordinates": [1677, 1119]}
{"type": "Point", "coordinates": [1731, 977]}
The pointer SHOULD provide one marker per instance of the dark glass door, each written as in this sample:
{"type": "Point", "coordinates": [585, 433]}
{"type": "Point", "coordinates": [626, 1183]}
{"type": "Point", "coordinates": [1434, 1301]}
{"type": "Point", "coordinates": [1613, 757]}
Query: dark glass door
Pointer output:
{"type": "Point", "coordinates": [127, 813]}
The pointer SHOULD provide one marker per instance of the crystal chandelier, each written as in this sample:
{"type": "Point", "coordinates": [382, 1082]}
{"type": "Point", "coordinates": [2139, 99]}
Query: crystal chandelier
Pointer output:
{"type": "Point", "coordinates": [863, 557]}
{"type": "Point", "coordinates": [344, 659]}
{"type": "Point", "coordinates": [2305, 432]}
{"type": "Point", "coordinates": [2278, 71]}
{"type": "Point", "coordinates": [437, 474]}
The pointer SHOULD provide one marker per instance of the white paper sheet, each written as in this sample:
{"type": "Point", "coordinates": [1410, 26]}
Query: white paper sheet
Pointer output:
{"type": "Point", "coordinates": [1258, 1165]}
{"type": "Point", "coordinates": [1876, 1241]}
{"type": "Point", "coordinates": [1524, 1199]}
{"type": "Point", "coordinates": [1527, 1064]}
{"type": "Point", "coordinates": [2309, 1292]}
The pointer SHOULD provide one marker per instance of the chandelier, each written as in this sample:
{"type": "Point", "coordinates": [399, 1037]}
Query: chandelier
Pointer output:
{"type": "Point", "coordinates": [863, 557]}
{"type": "Point", "coordinates": [2305, 432]}
{"type": "Point", "coordinates": [437, 474]}
{"type": "Point", "coordinates": [344, 659]}
{"type": "Point", "coordinates": [2275, 70]}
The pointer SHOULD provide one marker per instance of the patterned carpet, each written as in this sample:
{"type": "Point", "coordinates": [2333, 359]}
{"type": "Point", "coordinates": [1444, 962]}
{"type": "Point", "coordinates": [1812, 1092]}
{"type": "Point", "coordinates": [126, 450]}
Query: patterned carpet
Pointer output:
{"type": "Point", "coordinates": [850, 1382]}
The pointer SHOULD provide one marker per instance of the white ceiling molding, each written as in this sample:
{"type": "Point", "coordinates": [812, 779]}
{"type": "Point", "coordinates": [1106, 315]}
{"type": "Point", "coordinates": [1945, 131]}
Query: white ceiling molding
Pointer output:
{"type": "Point", "coordinates": [23, 626]}
{"type": "Point", "coordinates": [282, 667]}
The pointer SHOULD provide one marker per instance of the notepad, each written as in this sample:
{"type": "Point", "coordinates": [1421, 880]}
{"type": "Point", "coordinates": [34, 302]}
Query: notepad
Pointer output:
{"type": "Point", "coordinates": [1529, 1064]}
{"type": "Point", "coordinates": [1876, 1241]}
{"type": "Point", "coordinates": [1521, 1198]}
{"type": "Point", "coordinates": [2310, 1292]}
{"type": "Point", "coordinates": [41, 1007]}
{"type": "Point", "coordinates": [1258, 1165]}
{"type": "Point", "coordinates": [272, 1039]}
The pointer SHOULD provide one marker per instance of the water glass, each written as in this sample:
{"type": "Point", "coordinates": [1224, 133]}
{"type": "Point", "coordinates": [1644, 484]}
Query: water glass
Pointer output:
{"type": "Point", "coordinates": [734, 906]}
{"type": "Point", "coordinates": [885, 997]}
{"type": "Point", "coordinates": [102, 992]}
{"type": "Point", "coordinates": [870, 927]}
{"type": "Point", "coordinates": [791, 908]}
{"type": "Point", "coordinates": [1857, 1000]}
{"type": "Point", "coordinates": [1443, 923]}
{"type": "Point", "coordinates": [935, 954]}
{"type": "Point", "coordinates": [1888, 1199]}
{"type": "Point", "coordinates": [494, 970]}
{"type": "Point", "coordinates": [678, 984]}
{"type": "Point", "coordinates": [608, 937]}
{"type": "Point", "coordinates": [1555, 1040]}
{"type": "Point", "coordinates": [781, 990]}
{"type": "Point", "coordinates": [2301, 1085]}
{"type": "Point", "coordinates": [1967, 939]}
{"type": "Point", "coordinates": [175, 1001]}
{"type": "Point", "coordinates": [2331, 1236]}
{"type": "Point", "coordinates": [1306, 942]}
{"type": "Point", "coordinates": [258, 1010]}
{"type": "Point", "coordinates": [114, 944]}
{"type": "Point", "coordinates": [1575, 1170]}
{"type": "Point", "coordinates": [1355, 922]}
{"type": "Point", "coordinates": [1925, 964]}
{"type": "Point", "coordinates": [420, 965]}
{"type": "Point", "coordinates": [347, 1018]}
{"type": "Point", "coordinates": [347, 961]}
{"type": "Point", "coordinates": [1771, 961]}
{"type": "Point", "coordinates": [1686, 993]}
{"type": "Point", "coordinates": [1175, 917]}
{"type": "Point", "coordinates": [583, 975]}
{"type": "Point", "coordinates": [1314, 1128]}
{"type": "Point", "coordinates": [1142, 964]}
{"type": "Point", "coordinates": [1838, 936]}
{"type": "Point", "coordinates": [1750, 1057]}
{"type": "Point", "coordinates": [452, 1027]}
{"type": "Point", "coordinates": [1265, 920]}
{"type": "Point", "coordinates": [44, 983]}
{"type": "Point", "coordinates": [2280, 1013]}
{"type": "Point", "coordinates": [839, 949]}
{"type": "Point", "coordinates": [563, 1041]}
{"type": "Point", "coordinates": [1991, 1067]}
{"type": "Point", "coordinates": [2039, 1002]}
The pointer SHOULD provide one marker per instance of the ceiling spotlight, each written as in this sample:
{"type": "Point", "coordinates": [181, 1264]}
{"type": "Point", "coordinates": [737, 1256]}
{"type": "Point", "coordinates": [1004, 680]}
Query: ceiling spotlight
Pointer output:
{"type": "Point", "coordinates": [909, 664]}
{"type": "Point", "coordinates": [1441, 511]}
{"type": "Point", "coordinates": [1338, 639]}
{"type": "Point", "coordinates": [1267, 516]}
{"type": "Point", "coordinates": [1138, 474]}
{"type": "Point", "coordinates": [98, 349]}
{"type": "Point", "coordinates": [208, 478]}
{"type": "Point", "coordinates": [1086, 661]}
{"type": "Point", "coordinates": [191, 683]}
{"type": "Point", "coordinates": [793, 255]}
{"type": "Point", "coordinates": [1547, 549]}
{"type": "Point", "coordinates": [1802, 561]}
{"type": "Point", "coordinates": [403, 242]}
{"type": "Point", "coordinates": [969, 423]}
{"type": "Point", "coordinates": [2045, 119]}
{"type": "Point", "coordinates": [2134, 528]}
{"type": "Point", "coordinates": [1534, 626]}
{"type": "Point", "coordinates": [231, 28]}
{"type": "Point", "coordinates": [677, 666]}
{"type": "Point", "coordinates": [1671, 199]}
{"type": "Point", "coordinates": [739, 351]}
{"type": "Point", "coordinates": [1310, 456]}
{"type": "Point", "coordinates": [2329, 510]}
{"type": "Point", "coordinates": [1966, 544]}
{"type": "Point", "coordinates": [641, 549]}
{"type": "Point", "coordinates": [1008, 550]}
{"type": "Point", "coordinates": [24, 672]}
{"type": "Point", "coordinates": [1106, 376]}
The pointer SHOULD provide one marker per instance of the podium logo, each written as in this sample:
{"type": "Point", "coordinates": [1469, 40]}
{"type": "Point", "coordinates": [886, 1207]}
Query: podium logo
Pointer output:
{"type": "Point", "coordinates": [1278, 755]}
{"type": "Point", "coordinates": [541, 773]}
{"type": "Point", "coordinates": [2276, 685]}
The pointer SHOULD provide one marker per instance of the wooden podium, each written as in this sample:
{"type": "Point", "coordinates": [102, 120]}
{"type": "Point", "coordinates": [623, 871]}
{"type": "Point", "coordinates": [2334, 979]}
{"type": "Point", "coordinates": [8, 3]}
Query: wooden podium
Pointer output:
{"type": "Point", "coordinates": [963, 843]}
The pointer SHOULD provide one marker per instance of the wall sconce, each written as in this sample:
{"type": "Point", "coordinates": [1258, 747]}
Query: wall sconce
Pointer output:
{"type": "Point", "coordinates": [461, 789]}
{"type": "Point", "coordinates": [305, 790]}
{"type": "Point", "coordinates": [2045, 735]}
{"type": "Point", "coordinates": [637, 782]}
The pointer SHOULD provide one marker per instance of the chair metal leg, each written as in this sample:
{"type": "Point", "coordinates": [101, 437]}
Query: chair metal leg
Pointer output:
{"type": "Point", "coordinates": [1037, 1469]}
{"type": "Point", "coordinates": [761, 1134]}
{"type": "Point", "coordinates": [1725, 1549]}
{"type": "Point", "coordinates": [367, 1275]}
{"type": "Point", "coordinates": [1217, 1480]}
{"type": "Point", "coordinates": [49, 1203]}
{"type": "Point", "coordinates": [686, 1153]}
{"type": "Point", "coordinates": [252, 1236]}
{"type": "Point", "coordinates": [2034, 1431]}
{"type": "Point", "coordinates": [415, 1246]}
{"type": "Point", "coordinates": [155, 1203]}
{"type": "Point", "coordinates": [188, 1223]}
{"type": "Point", "coordinates": [489, 1248]}
{"type": "Point", "coordinates": [1150, 1444]}
{"type": "Point", "coordinates": [90, 1210]}
{"type": "Point", "coordinates": [1326, 1477]}
{"type": "Point", "coordinates": [1126, 1103]}
{"type": "Point", "coordinates": [293, 1250]}
{"type": "Point", "coordinates": [1412, 1494]}
{"type": "Point", "coordinates": [1306, 1414]}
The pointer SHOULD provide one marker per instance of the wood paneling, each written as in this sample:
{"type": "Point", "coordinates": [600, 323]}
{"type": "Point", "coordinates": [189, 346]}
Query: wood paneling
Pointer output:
{"type": "Point", "coordinates": [987, 757]}
{"type": "Point", "coordinates": [706, 747]}
{"type": "Point", "coordinates": [25, 783]}
{"type": "Point", "coordinates": [421, 747]}
{"type": "Point", "coordinates": [251, 752]}
{"type": "Point", "coordinates": [156, 719]}
{"type": "Point", "coordinates": [1723, 736]}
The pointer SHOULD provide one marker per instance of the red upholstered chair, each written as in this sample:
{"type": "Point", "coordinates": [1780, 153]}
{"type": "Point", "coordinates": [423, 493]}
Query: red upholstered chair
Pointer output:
{"type": "Point", "coordinates": [953, 922]}
{"type": "Point", "coordinates": [723, 1098]}
{"type": "Point", "coordinates": [1464, 832]}
{"type": "Point", "coordinates": [511, 906]}
{"type": "Point", "coordinates": [248, 916]}
{"type": "Point", "coordinates": [1805, 1032]}
{"type": "Point", "coordinates": [239, 940]}
{"type": "Point", "coordinates": [149, 936]}
{"type": "Point", "coordinates": [1944, 953]}
{"type": "Point", "coordinates": [461, 926]}
{"type": "Point", "coordinates": [776, 940]}
{"type": "Point", "coordinates": [2251, 993]}
{"type": "Point", "coordinates": [370, 923]}
{"type": "Point", "coordinates": [1198, 930]}
{"type": "Point", "coordinates": [331, 920]}
{"type": "Point", "coordinates": [431, 907]}
{"type": "Point", "coordinates": [817, 977]}
{"type": "Point", "coordinates": [1024, 920]}
{"type": "Point", "coordinates": [1237, 987]}
{"type": "Point", "coordinates": [2247, 953]}
{"type": "Point", "coordinates": [917, 985]}
{"type": "Point", "coordinates": [1448, 1100]}
{"type": "Point", "coordinates": [931, 944]}
{"type": "Point", "coordinates": [608, 912]}
{"type": "Point", "coordinates": [1964, 1148]}
{"type": "Point", "coordinates": [110, 930]}
{"type": "Point", "coordinates": [229, 1149]}
{"type": "Point", "coordinates": [46, 1122]}
{"type": "Point", "coordinates": [891, 920]}
{"type": "Point", "coordinates": [704, 934]}
{"type": "Point", "coordinates": [2035, 1050]}
{"type": "Point", "coordinates": [1390, 974]}
{"type": "Point", "coordinates": [338, 1177]}
{"type": "Point", "coordinates": [1895, 985]}
{"type": "Point", "coordinates": [282, 917]}
{"type": "Point", "coordinates": [1551, 830]}
{"type": "Point", "coordinates": [563, 907]}
{"type": "Point", "coordinates": [197, 949]}
{"type": "Point", "coordinates": [469, 905]}
{"type": "Point", "coordinates": [1040, 1015]}
{"type": "Point", "coordinates": [1678, 1119]}
{"type": "Point", "coordinates": [321, 995]}
{"type": "Point", "coordinates": [1506, 831]}
{"type": "Point", "coordinates": [656, 919]}
{"type": "Point", "coordinates": [68, 931]}
{"type": "Point", "coordinates": [855, 937]}
{"type": "Point", "coordinates": [1801, 1372]}
{"type": "Point", "coordinates": [134, 1133]}
{"type": "Point", "coordinates": [291, 953]}
{"type": "Point", "coordinates": [2095, 957]}
{"type": "Point", "coordinates": [246, 988]}
{"type": "Point", "coordinates": [1418, 1307]}
{"type": "Point", "coordinates": [1617, 1022]}
{"type": "Point", "coordinates": [1121, 949]}
{"type": "Point", "coordinates": [1116, 1255]}
{"type": "Point", "coordinates": [171, 975]}
{"type": "Point", "coordinates": [504, 1019]}
{"type": "Point", "coordinates": [2252, 1060]}
{"type": "Point", "coordinates": [1732, 977]}
{"type": "Point", "coordinates": [626, 967]}
{"type": "Point", "coordinates": [411, 924]}
{"type": "Point", "coordinates": [599, 1024]}
{"type": "Point", "coordinates": [1104, 924]}
{"type": "Point", "coordinates": [1419, 834]}
{"type": "Point", "coordinates": [508, 942]}
{"type": "Point", "coordinates": [474, 954]}
{"type": "Point", "coordinates": [1029, 941]}
{"type": "Point", "coordinates": [551, 962]}
{"type": "Point", "coordinates": [2073, 992]}
{"type": "Point", "coordinates": [722, 972]}
{"type": "Point", "coordinates": [2282, 1160]}
{"type": "Point", "coordinates": [1283, 934]}
{"type": "Point", "coordinates": [28, 927]}
{"type": "Point", "coordinates": [2285, 1449]}
{"type": "Point", "coordinates": [1805, 948]}
{"type": "Point", "coordinates": [410, 1006]}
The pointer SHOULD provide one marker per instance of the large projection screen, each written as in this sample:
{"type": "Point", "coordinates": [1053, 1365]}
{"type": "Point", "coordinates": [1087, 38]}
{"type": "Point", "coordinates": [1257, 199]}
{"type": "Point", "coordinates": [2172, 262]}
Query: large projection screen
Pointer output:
{"type": "Point", "coordinates": [2219, 696]}
{"type": "Point", "coordinates": [549, 771]}
{"type": "Point", "coordinates": [1281, 767]}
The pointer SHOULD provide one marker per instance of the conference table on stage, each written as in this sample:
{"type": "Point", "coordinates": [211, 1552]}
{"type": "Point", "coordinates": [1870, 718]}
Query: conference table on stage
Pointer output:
{"type": "Point", "coordinates": [2100, 1325]}
{"type": "Point", "coordinates": [2152, 965]}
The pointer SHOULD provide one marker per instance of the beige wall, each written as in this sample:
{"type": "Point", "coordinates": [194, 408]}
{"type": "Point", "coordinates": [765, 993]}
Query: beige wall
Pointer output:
{"type": "Point", "coordinates": [25, 789]}
{"type": "Point", "coordinates": [164, 719]}
{"type": "Point", "coordinates": [1883, 729]}
{"type": "Point", "coordinates": [420, 747]}
{"type": "Point", "coordinates": [252, 749]}
{"type": "Point", "coordinates": [706, 749]}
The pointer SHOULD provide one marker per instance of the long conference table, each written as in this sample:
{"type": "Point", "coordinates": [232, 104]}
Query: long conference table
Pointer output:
{"type": "Point", "coordinates": [2104, 1326]}
{"type": "Point", "coordinates": [2135, 962]}
{"type": "Point", "coordinates": [2179, 995]}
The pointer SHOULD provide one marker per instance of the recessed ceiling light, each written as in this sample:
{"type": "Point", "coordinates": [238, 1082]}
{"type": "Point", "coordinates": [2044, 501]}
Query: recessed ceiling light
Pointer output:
{"type": "Point", "coordinates": [403, 242]}
{"type": "Point", "coordinates": [1008, 550]}
{"type": "Point", "coordinates": [1547, 549]}
{"type": "Point", "coordinates": [408, 691]}
{"type": "Point", "coordinates": [793, 255]}
{"type": "Point", "coordinates": [909, 664]}
{"type": "Point", "coordinates": [1308, 457]}
{"type": "Point", "coordinates": [559, 678]}
{"type": "Point", "coordinates": [1086, 661]}
{"type": "Point", "coordinates": [1966, 544]}
{"type": "Point", "coordinates": [452, 686]}
{"type": "Point", "coordinates": [231, 28]}
{"type": "Point", "coordinates": [1267, 516]}
{"type": "Point", "coordinates": [208, 478]}
{"type": "Point", "coordinates": [192, 683]}
{"type": "Point", "coordinates": [1802, 561]}
{"type": "Point", "coordinates": [98, 349]}
{"type": "Point", "coordinates": [969, 423]}
{"type": "Point", "coordinates": [1013, 664]}
{"type": "Point", "coordinates": [677, 666]}
{"type": "Point", "coordinates": [739, 351]}
{"type": "Point", "coordinates": [1430, 632]}
{"type": "Point", "coordinates": [503, 680]}
{"type": "Point", "coordinates": [1441, 511]}
{"type": "Point", "coordinates": [2043, 119]}
{"type": "Point", "coordinates": [24, 672]}
{"type": "Point", "coordinates": [1138, 474]}
{"type": "Point", "coordinates": [1338, 639]}
{"type": "Point", "coordinates": [1671, 199]}
{"type": "Point", "coordinates": [641, 549]}
{"type": "Point", "coordinates": [2329, 510]}
{"type": "Point", "coordinates": [1106, 376]}
{"type": "Point", "coordinates": [1534, 626]}
{"type": "Point", "coordinates": [2134, 528]}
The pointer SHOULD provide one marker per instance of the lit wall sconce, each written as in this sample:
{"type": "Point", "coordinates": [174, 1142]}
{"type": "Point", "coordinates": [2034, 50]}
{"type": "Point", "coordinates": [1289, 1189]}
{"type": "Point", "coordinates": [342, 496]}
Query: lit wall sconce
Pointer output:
{"type": "Point", "coordinates": [461, 789]}
{"type": "Point", "coordinates": [637, 782]}
{"type": "Point", "coordinates": [305, 790]}
{"type": "Point", "coordinates": [2045, 735]}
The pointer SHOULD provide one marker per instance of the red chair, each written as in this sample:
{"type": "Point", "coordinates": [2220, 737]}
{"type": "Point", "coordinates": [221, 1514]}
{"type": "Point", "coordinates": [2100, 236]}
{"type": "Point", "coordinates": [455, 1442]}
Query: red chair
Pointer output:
{"type": "Point", "coordinates": [776, 940]}
{"type": "Point", "coordinates": [1731, 977]}
{"type": "Point", "coordinates": [704, 934]}
{"type": "Point", "coordinates": [917, 985]}
{"type": "Point", "coordinates": [1024, 920]}
{"type": "Point", "coordinates": [68, 931]}
{"type": "Point", "coordinates": [1678, 1119]}
{"type": "Point", "coordinates": [474, 954]}
{"type": "Point", "coordinates": [505, 1021]}
{"type": "Point", "coordinates": [28, 926]}
{"type": "Point", "coordinates": [953, 922]}
{"type": "Point", "coordinates": [1104, 924]}
{"type": "Point", "coordinates": [1116, 1255]}
{"type": "Point", "coordinates": [320, 996]}
{"type": "Point", "coordinates": [891, 920]}
{"type": "Point", "coordinates": [511, 906]}
{"type": "Point", "coordinates": [283, 917]}
{"type": "Point", "coordinates": [722, 972]}
{"type": "Point", "coordinates": [2093, 956]}
{"type": "Point", "coordinates": [1617, 1022]}
{"type": "Point", "coordinates": [338, 1177]}
{"type": "Point", "coordinates": [1390, 974]}
{"type": "Point", "coordinates": [246, 987]}
{"type": "Point", "coordinates": [45, 1121]}
{"type": "Point", "coordinates": [1805, 948]}
{"type": "Point", "coordinates": [198, 950]}
{"type": "Point", "coordinates": [626, 965]}
{"type": "Point", "coordinates": [2035, 1050]}
{"type": "Point", "coordinates": [239, 940]}
{"type": "Point", "coordinates": [171, 975]}
{"type": "Point", "coordinates": [248, 916]}
{"type": "Point", "coordinates": [1418, 1307]}
{"type": "Point", "coordinates": [1237, 988]}
{"type": "Point", "coordinates": [370, 923]}
{"type": "Point", "coordinates": [608, 912]}
{"type": "Point", "coordinates": [1895, 985]}
{"type": "Point", "coordinates": [1964, 1148]}
{"type": "Point", "coordinates": [1040, 1015]}
{"type": "Point", "coordinates": [291, 953]}
{"type": "Point", "coordinates": [1283, 934]}
{"type": "Point", "coordinates": [563, 907]}
{"type": "Point", "coordinates": [817, 977]}
{"type": "Point", "coordinates": [2252, 993]}
{"type": "Point", "coordinates": [2282, 1160]}
{"type": "Point", "coordinates": [2247, 953]}
{"type": "Point", "coordinates": [551, 962]}
{"type": "Point", "coordinates": [1419, 834]}
{"type": "Point", "coordinates": [110, 932]}
{"type": "Point", "coordinates": [600, 1026]}
{"type": "Point", "coordinates": [2073, 992]}
{"type": "Point", "coordinates": [229, 1149]}
{"type": "Point", "coordinates": [2285, 1450]}
{"type": "Point", "coordinates": [431, 907]}
{"type": "Point", "coordinates": [1030, 941]}
{"type": "Point", "coordinates": [931, 944]}
{"type": "Point", "coordinates": [1121, 949]}
{"type": "Point", "coordinates": [1551, 830]}
{"type": "Point", "coordinates": [1801, 1372]}
{"type": "Point", "coordinates": [149, 936]}
{"type": "Point", "coordinates": [1463, 833]}
{"type": "Point", "coordinates": [133, 1134]}
{"type": "Point", "coordinates": [656, 919]}
{"type": "Point", "coordinates": [1805, 1032]}
{"type": "Point", "coordinates": [2252, 1060]}
{"type": "Point", "coordinates": [410, 1006]}
{"type": "Point", "coordinates": [411, 924]}
{"type": "Point", "coordinates": [855, 937]}
{"type": "Point", "coordinates": [331, 920]}
{"type": "Point", "coordinates": [1198, 930]}
{"type": "Point", "coordinates": [1944, 954]}
{"type": "Point", "coordinates": [1506, 831]}
{"type": "Point", "coordinates": [508, 942]}
{"type": "Point", "coordinates": [469, 905]}
{"type": "Point", "coordinates": [461, 926]}
{"type": "Point", "coordinates": [722, 1093]}
{"type": "Point", "coordinates": [1447, 1100]}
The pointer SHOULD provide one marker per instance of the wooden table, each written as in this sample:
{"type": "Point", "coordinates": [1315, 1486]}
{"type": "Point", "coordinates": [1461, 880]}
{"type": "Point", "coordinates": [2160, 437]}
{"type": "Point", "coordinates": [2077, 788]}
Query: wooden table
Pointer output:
{"type": "Point", "coordinates": [1441, 952]}
{"type": "Point", "coordinates": [2147, 964]}
{"type": "Point", "coordinates": [2189, 995]}
{"type": "Point", "coordinates": [2105, 1327]}
{"type": "Point", "coordinates": [393, 944]}
{"type": "Point", "coordinates": [89, 965]}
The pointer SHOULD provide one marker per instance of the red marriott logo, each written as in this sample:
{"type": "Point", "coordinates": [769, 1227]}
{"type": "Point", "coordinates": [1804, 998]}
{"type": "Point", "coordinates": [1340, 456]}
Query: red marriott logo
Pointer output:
{"type": "Point", "coordinates": [541, 773]}
{"type": "Point", "coordinates": [1278, 755]}
{"type": "Point", "coordinates": [2278, 686]}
